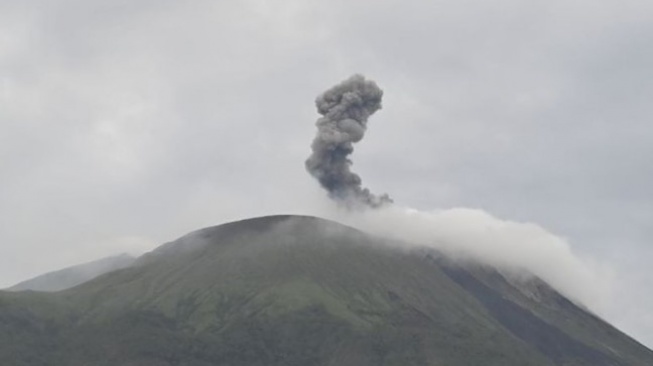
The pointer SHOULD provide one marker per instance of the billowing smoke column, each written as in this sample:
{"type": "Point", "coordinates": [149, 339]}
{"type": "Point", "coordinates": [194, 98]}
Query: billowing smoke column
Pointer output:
{"type": "Point", "coordinates": [345, 109]}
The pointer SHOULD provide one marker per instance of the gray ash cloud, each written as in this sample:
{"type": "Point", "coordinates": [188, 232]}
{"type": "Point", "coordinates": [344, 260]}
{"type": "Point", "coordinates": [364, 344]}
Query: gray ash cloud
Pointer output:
{"type": "Point", "coordinates": [345, 109]}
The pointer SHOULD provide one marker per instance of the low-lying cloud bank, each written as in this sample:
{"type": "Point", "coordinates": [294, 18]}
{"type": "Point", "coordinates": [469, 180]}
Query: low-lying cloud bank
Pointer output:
{"type": "Point", "coordinates": [473, 234]}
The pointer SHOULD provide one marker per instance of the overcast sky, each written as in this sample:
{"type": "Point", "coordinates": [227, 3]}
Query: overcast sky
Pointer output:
{"type": "Point", "coordinates": [125, 124]}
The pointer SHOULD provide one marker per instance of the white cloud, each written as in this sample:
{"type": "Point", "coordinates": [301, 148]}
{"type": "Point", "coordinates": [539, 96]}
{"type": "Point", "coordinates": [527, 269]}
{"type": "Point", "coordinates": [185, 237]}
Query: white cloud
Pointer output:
{"type": "Point", "coordinates": [473, 234]}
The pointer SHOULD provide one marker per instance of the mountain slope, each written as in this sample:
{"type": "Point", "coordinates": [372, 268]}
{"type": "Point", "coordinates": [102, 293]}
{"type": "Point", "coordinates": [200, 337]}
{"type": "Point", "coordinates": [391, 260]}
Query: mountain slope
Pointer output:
{"type": "Point", "coordinates": [73, 276]}
{"type": "Point", "coordinates": [289, 291]}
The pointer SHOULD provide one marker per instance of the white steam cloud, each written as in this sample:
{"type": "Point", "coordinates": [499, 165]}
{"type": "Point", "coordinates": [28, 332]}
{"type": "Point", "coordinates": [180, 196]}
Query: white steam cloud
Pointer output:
{"type": "Point", "coordinates": [466, 234]}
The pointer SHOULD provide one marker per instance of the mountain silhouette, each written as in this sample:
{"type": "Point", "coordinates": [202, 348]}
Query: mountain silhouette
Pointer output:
{"type": "Point", "coordinates": [297, 290]}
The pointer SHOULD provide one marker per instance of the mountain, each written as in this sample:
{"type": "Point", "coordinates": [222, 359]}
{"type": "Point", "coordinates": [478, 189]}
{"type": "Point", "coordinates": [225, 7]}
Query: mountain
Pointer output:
{"type": "Point", "coordinates": [75, 275]}
{"type": "Point", "coordinates": [290, 290]}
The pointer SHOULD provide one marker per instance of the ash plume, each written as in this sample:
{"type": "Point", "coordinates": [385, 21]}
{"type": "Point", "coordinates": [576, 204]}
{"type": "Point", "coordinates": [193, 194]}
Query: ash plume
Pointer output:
{"type": "Point", "coordinates": [345, 109]}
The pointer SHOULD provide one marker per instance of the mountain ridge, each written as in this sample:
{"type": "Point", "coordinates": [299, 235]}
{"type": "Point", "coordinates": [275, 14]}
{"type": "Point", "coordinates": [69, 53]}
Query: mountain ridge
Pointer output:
{"type": "Point", "coordinates": [74, 275]}
{"type": "Point", "coordinates": [297, 290]}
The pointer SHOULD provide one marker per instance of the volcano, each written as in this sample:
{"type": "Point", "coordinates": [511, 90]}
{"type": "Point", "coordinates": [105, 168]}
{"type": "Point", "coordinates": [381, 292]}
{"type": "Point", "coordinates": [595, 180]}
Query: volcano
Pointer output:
{"type": "Point", "coordinates": [298, 290]}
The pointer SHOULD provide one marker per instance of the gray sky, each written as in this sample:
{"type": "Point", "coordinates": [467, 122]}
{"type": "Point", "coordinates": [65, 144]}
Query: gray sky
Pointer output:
{"type": "Point", "coordinates": [125, 124]}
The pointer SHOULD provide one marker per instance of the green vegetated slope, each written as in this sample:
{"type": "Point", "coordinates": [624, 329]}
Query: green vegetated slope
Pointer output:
{"type": "Point", "coordinates": [288, 290]}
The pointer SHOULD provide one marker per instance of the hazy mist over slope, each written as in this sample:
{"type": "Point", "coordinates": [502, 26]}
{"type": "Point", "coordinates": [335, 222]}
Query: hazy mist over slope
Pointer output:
{"type": "Point", "coordinates": [473, 234]}
{"type": "Point", "coordinates": [75, 275]}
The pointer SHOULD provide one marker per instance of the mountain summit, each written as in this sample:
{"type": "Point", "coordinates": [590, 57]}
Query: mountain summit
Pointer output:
{"type": "Point", "coordinates": [296, 290]}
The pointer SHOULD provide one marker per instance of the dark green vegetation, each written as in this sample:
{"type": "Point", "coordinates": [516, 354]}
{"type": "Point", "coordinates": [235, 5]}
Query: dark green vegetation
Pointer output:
{"type": "Point", "coordinates": [303, 291]}
{"type": "Point", "coordinates": [73, 276]}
